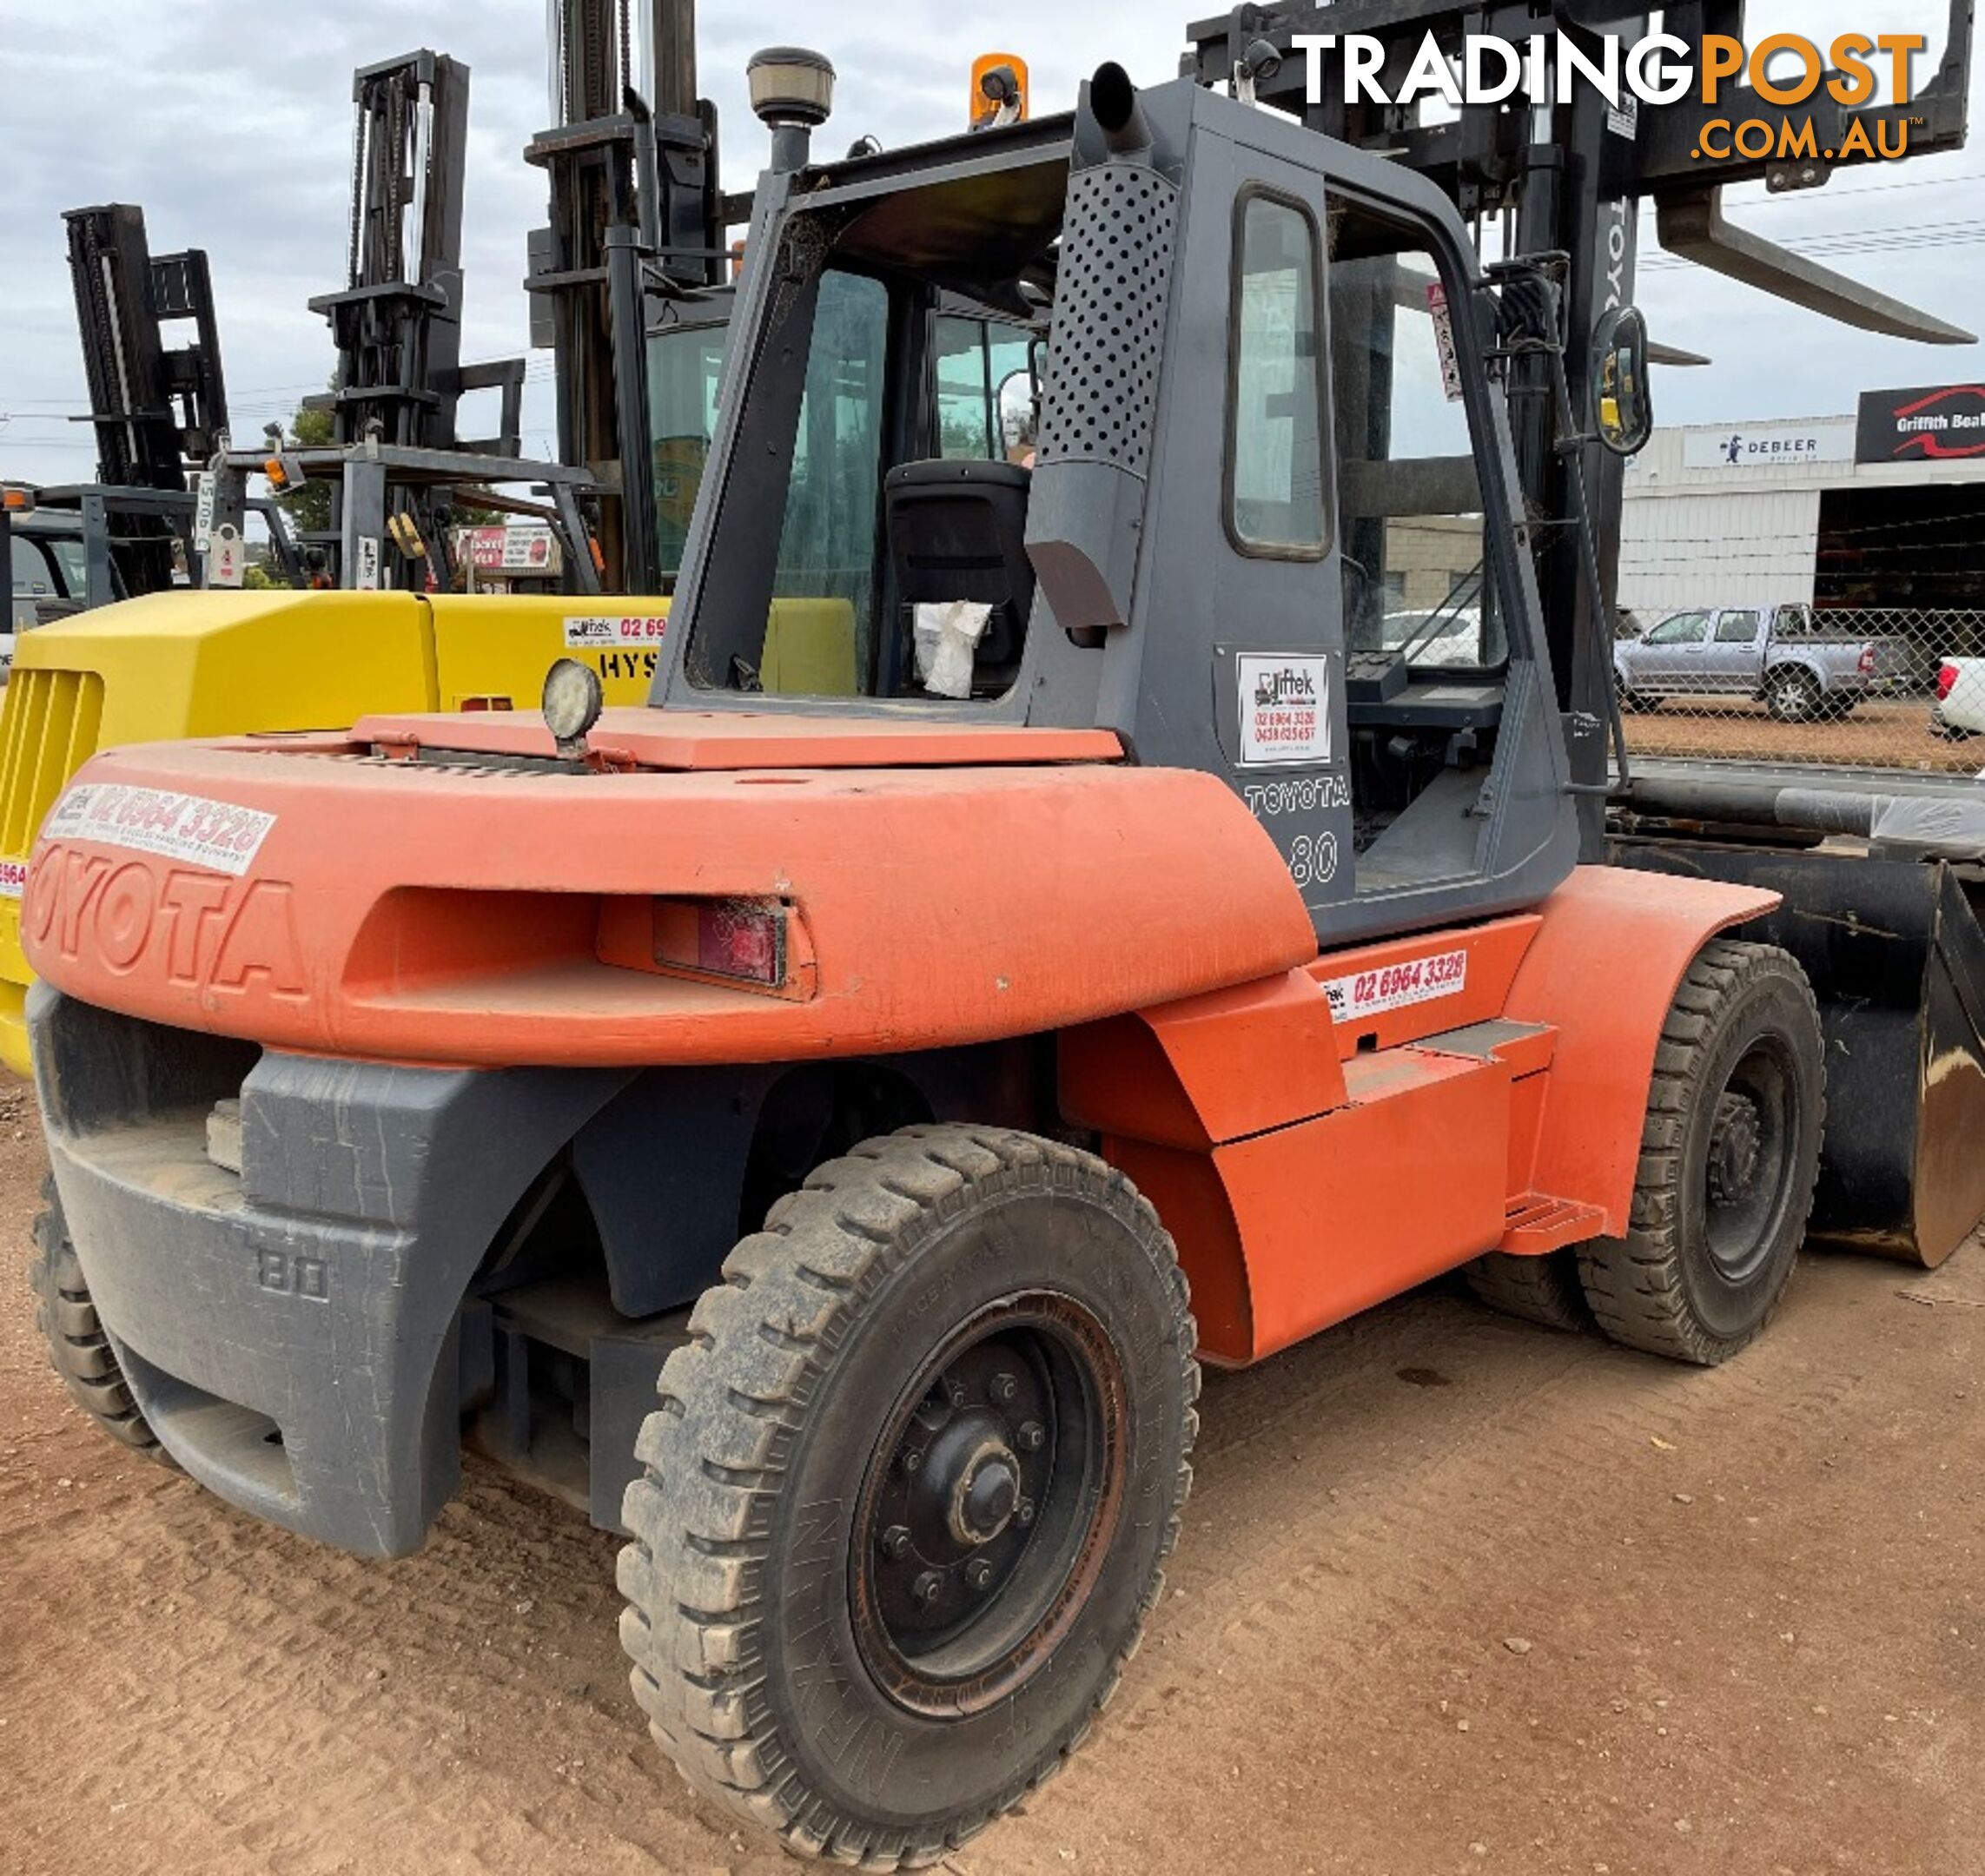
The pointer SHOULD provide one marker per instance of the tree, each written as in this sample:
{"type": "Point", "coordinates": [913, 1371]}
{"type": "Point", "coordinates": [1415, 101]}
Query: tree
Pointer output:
{"type": "Point", "coordinates": [308, 507]}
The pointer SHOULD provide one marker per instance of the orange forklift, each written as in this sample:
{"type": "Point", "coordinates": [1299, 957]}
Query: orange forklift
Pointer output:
{"type": "Point", "coordinates": [1136, 913]}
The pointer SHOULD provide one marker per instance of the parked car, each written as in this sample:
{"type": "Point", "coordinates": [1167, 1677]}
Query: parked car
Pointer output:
{"type": "Point", "coordinates": [1447, 638]}
{"type": "Point", "coordinates": [1784, 657]}
{"type": "Point", "coordinates": [1960, 698]}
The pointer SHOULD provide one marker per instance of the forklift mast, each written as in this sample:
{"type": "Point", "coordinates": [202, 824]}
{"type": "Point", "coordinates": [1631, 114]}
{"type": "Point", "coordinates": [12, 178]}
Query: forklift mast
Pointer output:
{"type": "Point", "coordinates": [1566, 177]}
{"type": "Point", "coordinates": [152, 407]}
{"type": "Point", "coordinates": [397, 321]}
{"type": "Point", "coordinates": [635, 207]}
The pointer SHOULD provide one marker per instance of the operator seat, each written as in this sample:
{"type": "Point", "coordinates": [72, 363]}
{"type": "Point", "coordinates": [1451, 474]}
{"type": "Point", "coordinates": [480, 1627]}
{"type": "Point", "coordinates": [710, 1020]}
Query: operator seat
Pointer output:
{"type": "Point", "coordinates": [957, 530]}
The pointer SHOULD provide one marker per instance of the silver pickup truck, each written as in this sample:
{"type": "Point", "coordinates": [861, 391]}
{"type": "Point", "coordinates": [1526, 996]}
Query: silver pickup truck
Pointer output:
{"type": "Point", "coordinates": [1795, 661]}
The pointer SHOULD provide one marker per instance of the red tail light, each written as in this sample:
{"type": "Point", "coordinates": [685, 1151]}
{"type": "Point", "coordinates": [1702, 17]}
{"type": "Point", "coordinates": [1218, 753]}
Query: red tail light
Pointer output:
{"type": "Point", "coordinates": [1946, 682]}
{"type": "Point", "coordinates": [733, 938]}
{"type": "Point", "coordinates": [1868, 662]}
{"type": "Point", "coordinates": [758, 942]}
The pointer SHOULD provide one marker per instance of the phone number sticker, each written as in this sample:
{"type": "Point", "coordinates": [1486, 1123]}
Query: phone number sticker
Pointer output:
{"type": "Point", "coordinates": [1397, 987]}
{"type": "Point", "coordinates": [609, 634]}
{"type": "Point", "coordinates": [214, 833]}
{"type": "Point", "coordinates": [13, 878]}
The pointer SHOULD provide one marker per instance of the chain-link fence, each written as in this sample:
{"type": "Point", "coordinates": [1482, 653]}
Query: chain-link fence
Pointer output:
{"type": "Point", "coordinates": [1888, 687]}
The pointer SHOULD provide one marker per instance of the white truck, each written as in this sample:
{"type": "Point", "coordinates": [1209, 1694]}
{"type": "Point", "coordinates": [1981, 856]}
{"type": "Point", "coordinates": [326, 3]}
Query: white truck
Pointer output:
{"type": "Point", "coordinates": [1960, 698]}
{"type": "Point", "coordinates": [1795, 660]}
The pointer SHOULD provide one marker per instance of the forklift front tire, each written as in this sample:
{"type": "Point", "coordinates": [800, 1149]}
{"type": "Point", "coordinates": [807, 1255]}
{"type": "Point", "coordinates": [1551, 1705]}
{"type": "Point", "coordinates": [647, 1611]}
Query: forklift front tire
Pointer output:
{"type": "Point", "coordinates": [1728, 1157]}
{"type": "Point", "coordinates": [1542, 1289]}
{"type": "Point", "coordinates": [78, 1350]}
{"type": "Point", "coordinates": [907, 1493]}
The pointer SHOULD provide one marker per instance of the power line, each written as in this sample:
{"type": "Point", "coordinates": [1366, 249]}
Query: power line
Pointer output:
{"type": "Point", "coordinates": [1798, 198]}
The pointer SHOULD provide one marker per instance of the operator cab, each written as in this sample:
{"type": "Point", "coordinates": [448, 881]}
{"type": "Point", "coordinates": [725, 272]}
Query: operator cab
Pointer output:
{"type": "Point", "coordinates": [870, 538]}
{"type": "Point", "coordinates": [1169, 418]}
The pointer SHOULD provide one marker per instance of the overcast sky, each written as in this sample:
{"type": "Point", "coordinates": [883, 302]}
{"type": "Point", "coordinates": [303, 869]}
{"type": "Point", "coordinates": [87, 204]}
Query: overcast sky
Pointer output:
{"type": "Point", "coordinates": [230, 124]}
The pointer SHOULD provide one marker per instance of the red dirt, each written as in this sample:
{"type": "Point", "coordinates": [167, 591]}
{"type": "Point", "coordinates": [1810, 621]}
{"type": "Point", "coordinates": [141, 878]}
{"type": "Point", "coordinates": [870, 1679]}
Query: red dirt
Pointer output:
{"type": "Point", "coordinates": [1751, 1600]}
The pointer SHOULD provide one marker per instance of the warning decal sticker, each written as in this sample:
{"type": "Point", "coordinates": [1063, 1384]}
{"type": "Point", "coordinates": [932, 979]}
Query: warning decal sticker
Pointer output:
{"type": "Point", "coordinates": [1397, 987]}
{"type": "Point", "coordinates": [155, 821]}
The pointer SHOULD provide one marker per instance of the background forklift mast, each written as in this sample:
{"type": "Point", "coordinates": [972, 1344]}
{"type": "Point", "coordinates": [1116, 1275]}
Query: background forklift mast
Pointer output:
{"type": "Point", "coordinates": [397, 326]}
{"type": "Point", "coordinates": [156, 411]}
{"type": "Point", "coordinates": [635, 213]}
{"type": "Point", "coordinates": [152, 408]}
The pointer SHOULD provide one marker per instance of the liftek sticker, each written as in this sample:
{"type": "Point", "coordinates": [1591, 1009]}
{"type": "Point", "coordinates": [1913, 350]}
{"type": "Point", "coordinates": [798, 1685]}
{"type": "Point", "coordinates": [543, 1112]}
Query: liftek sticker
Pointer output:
{"type": "Point", "coordinates": [176, 827]}
{"type": "Point", "coordinates": [609, 634]}
{"type": "Point", "coordinates": [1397, 987]}
{"type": "Point", "coordinates": [13, 878]}
{"type": "Point", "coordinates": [1285, 711]}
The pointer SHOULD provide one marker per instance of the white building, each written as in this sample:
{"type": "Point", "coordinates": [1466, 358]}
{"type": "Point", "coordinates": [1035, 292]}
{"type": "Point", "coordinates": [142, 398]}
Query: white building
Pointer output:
{"type": "Point", "coordinates": [1755, 514]}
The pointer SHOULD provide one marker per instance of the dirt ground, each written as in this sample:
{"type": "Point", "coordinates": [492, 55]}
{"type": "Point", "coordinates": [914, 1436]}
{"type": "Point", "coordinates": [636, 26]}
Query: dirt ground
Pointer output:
{"type": "Point", "coordinates": [1888, 735]}
{"type": "Point", "coordinates": [1455, 1595]}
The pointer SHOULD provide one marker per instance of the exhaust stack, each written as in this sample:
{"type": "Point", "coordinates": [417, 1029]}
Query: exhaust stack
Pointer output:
{"type": "Point", "coordinates": [1113, 104]}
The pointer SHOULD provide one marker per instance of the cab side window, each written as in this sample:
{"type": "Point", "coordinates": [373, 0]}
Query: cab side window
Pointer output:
{"type": "Point", "coordinates": [1274, 440]}
{"type": "Point", "coordinates": [33, 579]}
{"type": "Point", "coordinates": [1409, 495]}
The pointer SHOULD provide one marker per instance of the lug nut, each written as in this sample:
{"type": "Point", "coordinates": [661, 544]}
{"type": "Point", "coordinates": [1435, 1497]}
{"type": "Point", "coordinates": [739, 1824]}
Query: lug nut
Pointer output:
{"type": "Point", "coordinates": [979, 1573]}
{"type": "Point", "coordinates": [896, 1541]}
{"type": "Point", "coordinates": [912, 1460]}
{"type": "Point", "coordinates": [1023, 1513]}
{"type": "Point", "coordinates": [1032, 1436]}
{"type": "Point", "coordinates": [955, 1393]}
{"type": "Point", "coordinates": [1003, 1389]}
{"type": "Point", "coordinates": [928, 1586]}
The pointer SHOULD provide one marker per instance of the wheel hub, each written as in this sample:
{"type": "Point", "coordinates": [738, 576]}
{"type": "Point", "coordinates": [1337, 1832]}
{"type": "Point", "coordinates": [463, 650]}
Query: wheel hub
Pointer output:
{"type": "Point", "coordinates": [1736, 1146]}
{"type": "Point", "coordinates": [986, 1495]}
{"type": "Point", "coordinates": [974, 1459]}
{"type": "Point", "coordinates": [989, 1497]}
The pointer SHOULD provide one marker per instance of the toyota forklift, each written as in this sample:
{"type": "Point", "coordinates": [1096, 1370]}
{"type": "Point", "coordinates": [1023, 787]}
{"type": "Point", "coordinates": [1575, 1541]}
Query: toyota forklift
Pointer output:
{"type": "Point", "coordinates": [822, 1131]}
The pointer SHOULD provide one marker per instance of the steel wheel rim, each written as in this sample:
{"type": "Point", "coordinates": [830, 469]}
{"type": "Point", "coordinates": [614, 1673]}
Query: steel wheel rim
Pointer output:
{"type": "Point", "coordinates": [970, 1564]}
{"type": "Point", "coordinates": [1748, 1159]}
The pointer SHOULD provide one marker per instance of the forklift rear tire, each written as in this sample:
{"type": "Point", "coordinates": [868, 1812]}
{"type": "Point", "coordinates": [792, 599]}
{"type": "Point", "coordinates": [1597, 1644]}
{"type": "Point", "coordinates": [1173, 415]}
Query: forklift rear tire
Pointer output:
{"type": "Point", "coordinates": [906, 1499]}
{"type": "Point", "coordinates": [78, 1350]}
{"type": "Point", "coordinates": [1542, 1289]}
{"type": "Point", "coordinates": [1730, 1154]}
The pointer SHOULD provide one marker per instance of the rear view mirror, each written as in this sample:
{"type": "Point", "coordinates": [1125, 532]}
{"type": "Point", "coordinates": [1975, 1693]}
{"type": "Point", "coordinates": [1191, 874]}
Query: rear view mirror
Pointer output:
{"type": "Point", "coordinates": [1018, 401]}
{"type": "Point", "coordinates": [1622, 404]}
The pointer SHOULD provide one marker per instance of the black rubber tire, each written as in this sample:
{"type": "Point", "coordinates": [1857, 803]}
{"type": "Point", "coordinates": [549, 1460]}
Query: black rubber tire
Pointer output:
{"type": "Point", "coordinates": [739, 1581]}
{"type": "Point", "coordinates": [1794, 699]}
{"type": "Point", "coordinates": [1660, 1289]}
{"type": "Point", "coordinates": [1542, 1289]}
{"type": "Point", "coordinates": [78, 1350]}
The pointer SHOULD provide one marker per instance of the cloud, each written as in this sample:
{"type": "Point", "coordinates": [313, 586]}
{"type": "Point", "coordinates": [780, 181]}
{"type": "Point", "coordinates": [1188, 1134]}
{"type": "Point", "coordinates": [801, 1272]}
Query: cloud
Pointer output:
{"type": "Point", "coordinates": [231, 124]}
